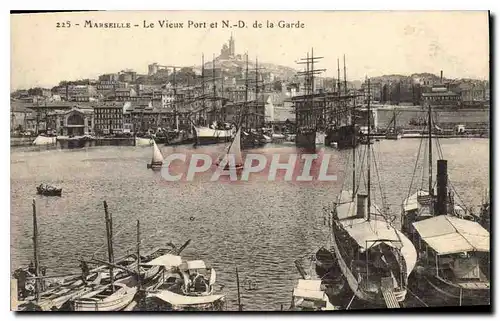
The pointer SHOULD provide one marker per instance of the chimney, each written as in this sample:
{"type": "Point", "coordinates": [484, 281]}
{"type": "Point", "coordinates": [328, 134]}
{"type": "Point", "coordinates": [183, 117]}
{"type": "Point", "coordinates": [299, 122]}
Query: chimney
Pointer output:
{"type": "Point", "coordinates": [442, 188]}
{"type": "Point", "coordinates": [441, 77]}
{"type": "Point", "coordinates": [362, 206]}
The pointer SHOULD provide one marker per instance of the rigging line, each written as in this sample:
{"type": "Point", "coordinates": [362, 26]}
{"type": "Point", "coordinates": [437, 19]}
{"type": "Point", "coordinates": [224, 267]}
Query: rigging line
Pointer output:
{"type": "Point", "coordinates": [424, 165]}
{"type": "Point", "coordinates": [415, 168]}
{"type": "Point", "coordinates": [344, 181]}
{"type": "Point", "coordinates": [384, 205]}
{"type": "Point", "coordinates": [112, 238]}
{"type": "Point", "coordinates": [360, 174]}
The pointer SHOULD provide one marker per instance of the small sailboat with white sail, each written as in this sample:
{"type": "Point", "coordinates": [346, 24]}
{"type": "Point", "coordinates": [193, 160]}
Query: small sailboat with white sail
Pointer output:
{"type": "Point", "coordinates": [232, 158]}
{"type": "Point", "coordinates": [157, 159]}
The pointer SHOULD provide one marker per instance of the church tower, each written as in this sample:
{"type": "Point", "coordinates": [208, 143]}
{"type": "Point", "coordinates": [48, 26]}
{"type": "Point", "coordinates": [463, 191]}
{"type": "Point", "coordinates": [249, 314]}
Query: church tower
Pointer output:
{"type": "Point", "coordinates": [231, 46]}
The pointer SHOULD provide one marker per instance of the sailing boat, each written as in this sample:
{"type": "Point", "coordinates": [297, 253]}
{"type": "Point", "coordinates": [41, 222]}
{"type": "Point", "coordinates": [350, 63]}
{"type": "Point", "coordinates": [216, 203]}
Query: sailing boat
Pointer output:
{"type": "Point", "coordinates": [157, 159]}
{"type": "Point", "coordinates": [234, 150]}
{"type": "Point", "coordinates": [453, 260]}
{"type": "Point", "coordinates": [374, 257]}
{"type": "Point", "coordinates": [393, 133]}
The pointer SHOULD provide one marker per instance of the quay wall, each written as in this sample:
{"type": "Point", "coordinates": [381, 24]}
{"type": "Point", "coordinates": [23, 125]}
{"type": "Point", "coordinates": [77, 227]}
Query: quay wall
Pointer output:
{"type": "Point", "coordinates": [471, 118]}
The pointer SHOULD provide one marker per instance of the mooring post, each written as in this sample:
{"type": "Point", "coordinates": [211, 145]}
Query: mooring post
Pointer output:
{"type": "Point", "coordinates": [35, 252]}
{"type": "Point", "coordinates": [238, 287]}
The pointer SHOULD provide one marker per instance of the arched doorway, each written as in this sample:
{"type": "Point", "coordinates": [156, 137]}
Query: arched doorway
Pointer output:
{"type": "Point", "coordinates": [75, 124]}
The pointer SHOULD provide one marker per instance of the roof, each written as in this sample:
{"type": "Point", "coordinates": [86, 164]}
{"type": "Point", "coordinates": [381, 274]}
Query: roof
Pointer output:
{"type": "Point", "coordinates": [193, 265]}
{"type": "Point", "coordinates": [177, 299]}
{"type": "Point", "coordinates": [124, 89]}
{"type": "Point", "coordinates": [411, 203]}
{"type": "Point", "coordinates": [309, 289]}
{"type": "Point", "coordinates": [109, 105]}
{"type": "Point", "coordinates": [18, 106]}
{"type": "Point", "coordinates": [167, 260]}
{"type": "Point", "coordinates": [368, 233]}
{"type": "Point", "coordinates": [449, 234]}
{"type": "Point", "coordinates": [440, 93]}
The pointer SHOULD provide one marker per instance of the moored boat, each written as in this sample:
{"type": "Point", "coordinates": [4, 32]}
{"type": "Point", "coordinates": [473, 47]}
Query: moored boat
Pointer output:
{"type": "Point", "coordinates": [113, 297]}
{"type": "Point", "coordinates": [207, 135]}
{"type": "Point", "coordinates": [182, 286]}
{"type": "Point", "coordinates": [48, 190]}
{"type": "Point", "coordinates": [393, 133]}
{"type": "Point", "coordinates": [308, 296]}
{"type": "Point", "coordinates": [453, 249]}
{"type": "Point", "coordinates": [374, 257]}
{"type": "Point", "coordinates": [143, 141]}
{"type": "Point", "coordinates": [43, 139]}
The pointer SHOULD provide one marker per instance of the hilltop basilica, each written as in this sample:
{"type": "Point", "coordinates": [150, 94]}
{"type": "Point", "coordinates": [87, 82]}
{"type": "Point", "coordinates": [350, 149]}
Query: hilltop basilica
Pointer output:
{"type": "Point", "coordinates": [228, 50]}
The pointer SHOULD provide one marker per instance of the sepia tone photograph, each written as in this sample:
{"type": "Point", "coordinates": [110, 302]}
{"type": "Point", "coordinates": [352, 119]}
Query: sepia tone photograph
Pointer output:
{"type": "Point", "coordinates": [247, 161]}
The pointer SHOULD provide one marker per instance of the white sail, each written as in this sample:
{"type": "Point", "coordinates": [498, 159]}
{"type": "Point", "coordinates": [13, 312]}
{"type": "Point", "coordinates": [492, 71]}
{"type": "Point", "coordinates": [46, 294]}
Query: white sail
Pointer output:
{"type": "Point", "coordinates": [157, 156]}
{"type": "Point", "coordinates": [235, 149]}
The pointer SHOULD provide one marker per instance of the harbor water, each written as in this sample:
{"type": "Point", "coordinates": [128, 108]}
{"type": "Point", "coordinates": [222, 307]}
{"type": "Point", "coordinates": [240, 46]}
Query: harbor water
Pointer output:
{"type": "Point", "coordinates": [259, 226]}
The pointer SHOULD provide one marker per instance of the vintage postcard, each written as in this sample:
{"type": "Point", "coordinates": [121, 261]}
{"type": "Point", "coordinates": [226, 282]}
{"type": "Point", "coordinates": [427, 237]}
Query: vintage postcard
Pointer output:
{"type": "Point", "coordinates": [250, 160]}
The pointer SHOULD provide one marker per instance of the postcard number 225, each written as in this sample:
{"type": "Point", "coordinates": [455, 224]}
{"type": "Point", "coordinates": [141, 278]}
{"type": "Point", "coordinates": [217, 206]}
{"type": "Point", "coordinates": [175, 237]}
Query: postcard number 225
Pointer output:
{"type": "Point", "coordinates": [66, 24]}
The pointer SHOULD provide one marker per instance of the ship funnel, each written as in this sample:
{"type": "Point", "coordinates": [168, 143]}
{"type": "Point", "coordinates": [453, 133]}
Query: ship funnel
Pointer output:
{"type": "Point", "coordinates": [442, 188]}
{"type": "Point", "coordinates": [362, 206]}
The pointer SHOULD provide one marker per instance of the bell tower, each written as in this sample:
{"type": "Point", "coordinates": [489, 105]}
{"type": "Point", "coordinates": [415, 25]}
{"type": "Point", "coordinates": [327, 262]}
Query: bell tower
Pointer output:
{"type": "Point", "coordinates": [231, 46]}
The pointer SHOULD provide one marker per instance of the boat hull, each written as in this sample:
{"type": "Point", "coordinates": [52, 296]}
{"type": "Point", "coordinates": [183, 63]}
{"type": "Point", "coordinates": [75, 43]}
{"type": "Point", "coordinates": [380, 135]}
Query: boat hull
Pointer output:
{"type": "Point", "coordinates": [209, 136]}
{"type": "Point", "coordinates": [155, 166]}
{"type": "Point", "coordinates": [116, 302]}
{"type": "Point", "coordinates": [447, 293]}
{"type": "Point", "coordinates": [306, 139]}
{"type": "Point", "coordinates": [393, 136]}
{"type": "Point", "coordinates": [45, 192]}
{"type": "Point", "coordinates": [362, 290]}
{"type": "Point", "coordinates": [342, 137]}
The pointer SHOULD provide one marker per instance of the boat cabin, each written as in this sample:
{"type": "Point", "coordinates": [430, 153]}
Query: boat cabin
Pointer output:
{"type": "Point", "coordinates": [198, 278]}
{"type": "Point", "coordinates": [453, 249]}
{"type": "Point", "coordinates": [420, 206]}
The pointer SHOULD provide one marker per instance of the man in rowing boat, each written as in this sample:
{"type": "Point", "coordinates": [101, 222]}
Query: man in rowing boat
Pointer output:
{"type": "Point", "coordinates": [85, 271]}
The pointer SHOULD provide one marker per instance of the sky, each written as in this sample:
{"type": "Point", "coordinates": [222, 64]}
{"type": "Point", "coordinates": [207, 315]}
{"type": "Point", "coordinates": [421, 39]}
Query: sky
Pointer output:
{"type": "Point", "coordinates": [374, 43]}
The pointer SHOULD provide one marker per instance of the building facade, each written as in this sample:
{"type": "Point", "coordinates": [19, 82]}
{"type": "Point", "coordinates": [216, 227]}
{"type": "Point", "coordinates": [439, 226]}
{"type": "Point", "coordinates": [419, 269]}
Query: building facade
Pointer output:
{"type": "Point", "coordinates": [441, 96]}
{"type": "Point", "coordinates": [108, 118]}
{"type": "Point", "coordinates": [73, 122]}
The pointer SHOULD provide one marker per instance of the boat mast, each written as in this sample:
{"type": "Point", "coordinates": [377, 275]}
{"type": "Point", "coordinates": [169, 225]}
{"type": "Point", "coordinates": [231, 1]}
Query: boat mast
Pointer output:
{"type": "Point", "coordinates": [394, 117]}
{"type": "Point", "coordinates": [240, 307]}
{"type": "Point", "coordinates": [256, 89]}
{"type": "Point", "coordinates": [138, 256]}
{"type": "Point", "coordinates": [353, 124]}
{"type": "Point", "coordinates": [368, 158]}
{"type": "Point", "coordinates": [175, 101]}
{"type": "Point", "coordinates": [338, 76]}
{"type": "Point", "coordinates": [244, 114]}
{"type": "Point", "coordinates": [345, 78]}
{"type": "Point", "coordinates": [109, 238]}
{"type": "Point", "coordinates": [202, 84]}
{"type": "Point", "coordinates": [35, 252]}
{"type": "Point", "coordinates": [429, 121]}
{"type": "Point", "coordinates": [214, 102]}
